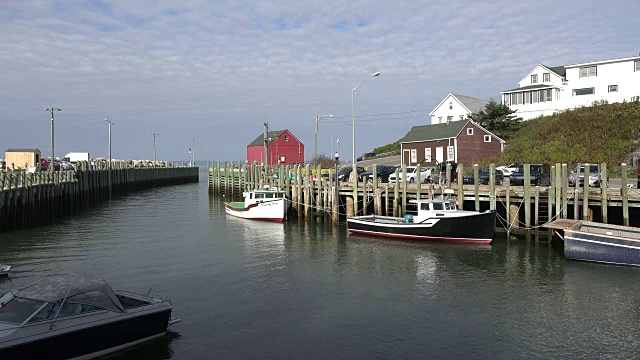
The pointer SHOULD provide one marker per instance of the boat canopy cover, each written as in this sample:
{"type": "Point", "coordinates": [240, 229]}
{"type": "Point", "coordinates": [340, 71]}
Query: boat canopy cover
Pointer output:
{"type": "Point", "coordinates": [76, 288]}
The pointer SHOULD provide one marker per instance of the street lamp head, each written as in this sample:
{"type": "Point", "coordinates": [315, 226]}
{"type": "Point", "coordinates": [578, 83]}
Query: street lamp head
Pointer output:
{"type": "Point", "coordinates": [377, 73]}
{"type": "Point", "coordinates": [58, 109]}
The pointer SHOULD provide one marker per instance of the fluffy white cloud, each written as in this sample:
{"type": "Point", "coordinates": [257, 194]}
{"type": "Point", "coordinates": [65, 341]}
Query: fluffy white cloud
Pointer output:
{"type": "Point", "coordinates": [215, 71]}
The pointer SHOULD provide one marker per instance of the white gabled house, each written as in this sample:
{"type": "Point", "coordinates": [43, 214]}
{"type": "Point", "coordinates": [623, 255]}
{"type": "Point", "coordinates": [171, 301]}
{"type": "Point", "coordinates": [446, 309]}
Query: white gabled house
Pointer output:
{"type": "Point", "coordinates": [455, 107]}
{"type": "Point", "coordinates": [546, 90]}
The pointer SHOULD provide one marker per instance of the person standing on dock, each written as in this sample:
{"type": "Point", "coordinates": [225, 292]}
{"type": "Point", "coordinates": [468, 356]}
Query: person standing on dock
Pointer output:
{"type": "Point", "coordinates": [638, 185]}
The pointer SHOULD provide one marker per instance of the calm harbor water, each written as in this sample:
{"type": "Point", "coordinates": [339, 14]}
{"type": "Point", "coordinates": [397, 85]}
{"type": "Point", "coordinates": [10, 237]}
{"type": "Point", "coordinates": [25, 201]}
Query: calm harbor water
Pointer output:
{"type": "Point", "coordinates": [301, 290]}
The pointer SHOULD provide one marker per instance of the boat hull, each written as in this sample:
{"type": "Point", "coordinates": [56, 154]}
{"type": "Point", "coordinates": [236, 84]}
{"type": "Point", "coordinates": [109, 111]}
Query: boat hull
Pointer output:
{"type": "Point", "coordinates": [580, 245]}
{"type": "Point", "coordinates": [92, 341]}
{"type": "Point", "coordinates": [275, 210]}
{"type": "Point", "coordinates": [474, 228]}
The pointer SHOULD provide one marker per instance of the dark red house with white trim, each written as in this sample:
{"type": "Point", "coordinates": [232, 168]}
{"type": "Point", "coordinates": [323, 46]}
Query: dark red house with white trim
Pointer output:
{"type": "Point", "coordinates": [283, 148]}
{"type": "Point", "coordinates": [462, 142]}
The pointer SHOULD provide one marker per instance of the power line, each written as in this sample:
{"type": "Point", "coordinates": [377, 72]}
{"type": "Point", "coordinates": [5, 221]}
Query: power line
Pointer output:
{"type": "Point", "coordinates": [385, 114]}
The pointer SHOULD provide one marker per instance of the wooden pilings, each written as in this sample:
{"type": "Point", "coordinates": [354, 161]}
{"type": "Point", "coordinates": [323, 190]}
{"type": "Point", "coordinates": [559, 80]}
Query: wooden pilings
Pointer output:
{"type": "Point", "coordinates": [520, 209]}
{"type": "Point", "coordinates": [30, 199]}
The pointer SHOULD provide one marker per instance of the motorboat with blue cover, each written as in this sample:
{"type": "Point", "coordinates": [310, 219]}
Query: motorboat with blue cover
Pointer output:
{"type": "Point", "coordinates": [77, 317]}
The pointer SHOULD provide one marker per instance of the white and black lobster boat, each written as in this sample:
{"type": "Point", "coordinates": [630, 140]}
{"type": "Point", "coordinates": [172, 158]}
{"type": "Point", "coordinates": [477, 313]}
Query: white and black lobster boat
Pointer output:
{"type": "Point", "coordinates": [437, 220]}
{"type": "Point", "coordinates": [77, 317]}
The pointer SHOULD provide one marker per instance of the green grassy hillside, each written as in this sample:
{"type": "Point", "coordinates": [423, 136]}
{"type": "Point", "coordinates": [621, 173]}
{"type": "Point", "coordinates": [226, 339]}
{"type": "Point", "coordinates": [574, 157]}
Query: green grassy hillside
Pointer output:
{"type": "Point", "coordinates": [603, 133]}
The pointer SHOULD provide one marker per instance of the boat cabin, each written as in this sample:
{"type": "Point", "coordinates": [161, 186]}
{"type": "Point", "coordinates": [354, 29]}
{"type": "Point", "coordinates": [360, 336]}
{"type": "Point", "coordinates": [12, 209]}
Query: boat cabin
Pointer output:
{"type": "Point", "coordinates": [433, 208]}
{"type": "Point", "coordinates": [259, 196]}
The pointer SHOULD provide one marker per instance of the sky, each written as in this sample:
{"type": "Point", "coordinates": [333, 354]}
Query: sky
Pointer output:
{"type": "Point", "coordinates": [213, 72]}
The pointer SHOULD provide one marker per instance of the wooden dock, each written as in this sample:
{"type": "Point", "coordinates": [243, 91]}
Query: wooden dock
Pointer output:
{"type": "Point", "coordinates": [31, 199]}
{"type": "Point", "coordinates": [520, 209]}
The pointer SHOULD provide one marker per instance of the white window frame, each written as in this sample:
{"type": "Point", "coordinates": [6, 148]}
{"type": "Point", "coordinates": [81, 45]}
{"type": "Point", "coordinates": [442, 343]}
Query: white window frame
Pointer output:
{"type": "Point", "coordinates": [286, 138]}
{"type": "Point", "coordinates": [534, 78]}
{"type": "Point", "coordinates": [636, 66]}
{"type": "Point", "coordinates": [461, 117]}
{"type": "Point", "coordinates": [427, 154]}
{"type": "Point", "coordinates": [450, 154]}
{"type": "Point", "coordinates": [449, 119]}
{"type": "Point", "coordinates": [450, 105]}
{"type": "Point", "coordinates": [593, 91]}
{"type": "Point", "coordinates": [487, 138]}
{"type": "Point", "coordinates": [588, 71]}
{"type": "Point", "coordinates": [612, 88]}
{"type": "Point", "coordinates": [439, 119]}
{"type": "Point", "coordinates": [546, 77]}
{"type": "Point", "coordinates": [414, 156]}
{"type": "Point", "coordinates": [469, 131]}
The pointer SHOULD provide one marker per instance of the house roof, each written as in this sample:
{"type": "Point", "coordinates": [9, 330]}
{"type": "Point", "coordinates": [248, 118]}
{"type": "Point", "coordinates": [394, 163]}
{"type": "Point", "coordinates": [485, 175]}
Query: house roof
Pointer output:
{"type": "Point", "coordinates": [560, 70]}
{"type": "Point", "coordinates": [530, 87]}
{"type": "Point", "coordinates": [434, 131]}
{"type": "Point", "coordinates": [23, 150]}
{"type": "Point", "coordinates": [473, 104]}
{"type": "Point", "coordinates": [271, 135]}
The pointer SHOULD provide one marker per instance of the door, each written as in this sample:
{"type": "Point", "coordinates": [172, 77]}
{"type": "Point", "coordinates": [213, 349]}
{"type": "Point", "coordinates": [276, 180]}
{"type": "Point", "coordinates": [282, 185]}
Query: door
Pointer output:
{"type": "Point", "coordinates": [405, 157]}
{"type": "Point", "coordinates": [440, 154]}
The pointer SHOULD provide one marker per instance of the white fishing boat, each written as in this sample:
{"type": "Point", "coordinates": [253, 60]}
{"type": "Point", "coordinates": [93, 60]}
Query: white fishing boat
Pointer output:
{"type": "Point", "coordinates": [4, 269]}
{"type": "Point", "coordinates": [268, 204]}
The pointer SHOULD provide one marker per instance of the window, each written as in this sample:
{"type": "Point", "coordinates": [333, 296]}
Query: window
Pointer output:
{"type": "Point", "coordinates": [541, 96]}
{"type": "Point", "coordinates": [588, 71]}
{"type": "Point", "coordinates": [534, 78]}
{"type": "Point", "coordinates": [586, 91]}
{"type": "Point", "coordinates": [487, 138]}
{"type": "Point", "coordinates": [449, 119]}
{"type": "Point", "coordinates": [534, 97]}
{"type": "Point", "coordinates": [450, 105]}
{"type": "Point", "coordinates": [613, 88]}
{"type": "Point", "coordinates": [546, 77]}
{"type": "Point", "coordinates": [414, 155]}
{"type": "Point", "coordinates": [439, 119]}
{"type": "Point", "coordinates": [527, 97]}
{"type": "Point", "coordinates": [469, 131]}
{"type": "Point", "coordinates": [549, 94]}
{"type": "Point", "coordinates": [427, 154]}
{"type": "Point", "coordinates": [449, 153]}
{"type": "Point", "coordinates": [636, 66]}
{"type": "Point", "coordinates": [286, 138]}
{"type": "Point", "coordinates": [461, 117]}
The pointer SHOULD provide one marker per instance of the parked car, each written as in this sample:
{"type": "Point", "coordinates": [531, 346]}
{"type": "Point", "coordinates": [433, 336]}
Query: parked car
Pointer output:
{"type": "Point", "coordinates": [425, 175]}
{"type": "Point", "coordinates": [366, 156]}
{"type": "Point", "coordinates": [44, 165]}
{"type": "Point", "coordinates": [540, 174]}
{"type": "Point", "coordinates": [382, 172]}
{"type": "Point", "coordinates": [65, 165]}
{"type": "Point", "coordinates": [483, 177]}
{"type": "Point", "coordinates": [577, 175]}
{"type": "Point", "coordinates": [345, 172]}
{"type": "Point", "coordinates": [507, 169]}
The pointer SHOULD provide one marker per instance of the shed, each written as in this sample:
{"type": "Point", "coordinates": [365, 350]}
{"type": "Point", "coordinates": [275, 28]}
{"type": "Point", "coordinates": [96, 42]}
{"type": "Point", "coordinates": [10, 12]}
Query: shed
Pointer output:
{"type": "Point", "coordinates": [282, 148]}
{"type": "Point", "coordinates": [19, 157]}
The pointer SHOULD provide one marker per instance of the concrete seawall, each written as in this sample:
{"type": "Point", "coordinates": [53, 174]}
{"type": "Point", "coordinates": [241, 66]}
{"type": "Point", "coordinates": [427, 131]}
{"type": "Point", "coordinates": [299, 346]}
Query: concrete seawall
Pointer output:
{"type": "Point", "coordinates": [28, 200]}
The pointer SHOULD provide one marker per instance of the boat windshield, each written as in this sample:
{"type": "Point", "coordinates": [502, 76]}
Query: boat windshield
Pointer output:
{"type": "Point", "coordinates": [15, 310]}
{"type": "Point", "coordinates": [437, 206]}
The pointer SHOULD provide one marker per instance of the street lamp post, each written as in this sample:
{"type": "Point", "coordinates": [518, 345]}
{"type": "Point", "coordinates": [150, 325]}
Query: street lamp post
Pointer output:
{"type": "Point", "coordinates": [52, 110]}
{"type": "Point", "coordinates": [109, 151]}
{"type": "Point", "coordinates": [315, 144]}
{"type": "Point", "coordinates": [353, 123]}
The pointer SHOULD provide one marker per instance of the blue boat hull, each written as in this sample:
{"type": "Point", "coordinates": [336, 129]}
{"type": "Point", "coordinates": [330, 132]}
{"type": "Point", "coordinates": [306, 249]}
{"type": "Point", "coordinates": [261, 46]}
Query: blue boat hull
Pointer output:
{"type": "Point", "coordinates": [604, 248]}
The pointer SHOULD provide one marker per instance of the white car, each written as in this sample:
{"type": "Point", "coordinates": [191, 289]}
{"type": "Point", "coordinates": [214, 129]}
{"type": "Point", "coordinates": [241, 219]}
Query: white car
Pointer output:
{"type": "Point", "coordinates": [507, 169]}
{"type": "Point", "coordinates": [412, 174]}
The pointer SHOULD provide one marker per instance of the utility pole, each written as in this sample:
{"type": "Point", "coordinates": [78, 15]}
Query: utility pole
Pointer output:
{"type": "Point", "coordinates": [52, 110]}
{"type": "Point", "coordinates": [315, 143]}
{"type": "Point", "coordinates": [154, 147]}
{"type": "Point", "coordinates": [109, 151]}
{"type": "Point", "coordinates": [266, 144]}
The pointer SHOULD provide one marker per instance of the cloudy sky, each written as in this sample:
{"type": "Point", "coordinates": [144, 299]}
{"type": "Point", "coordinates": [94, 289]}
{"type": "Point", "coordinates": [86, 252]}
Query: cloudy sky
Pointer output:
{"type": "Point", "coordinates": [214, 71]}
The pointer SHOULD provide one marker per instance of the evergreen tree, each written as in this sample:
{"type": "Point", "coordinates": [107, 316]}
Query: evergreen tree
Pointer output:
{"type": "Point", "coordinates": [498, 118]}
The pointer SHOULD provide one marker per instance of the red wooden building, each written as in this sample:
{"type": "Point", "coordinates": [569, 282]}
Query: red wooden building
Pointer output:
{"type": "Point", "coordinates": [283, 148]}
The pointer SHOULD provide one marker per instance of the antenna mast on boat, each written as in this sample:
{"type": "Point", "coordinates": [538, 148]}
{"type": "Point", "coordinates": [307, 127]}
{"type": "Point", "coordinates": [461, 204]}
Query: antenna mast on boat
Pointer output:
{"type": "Point", "coordinates": [266, 143]}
